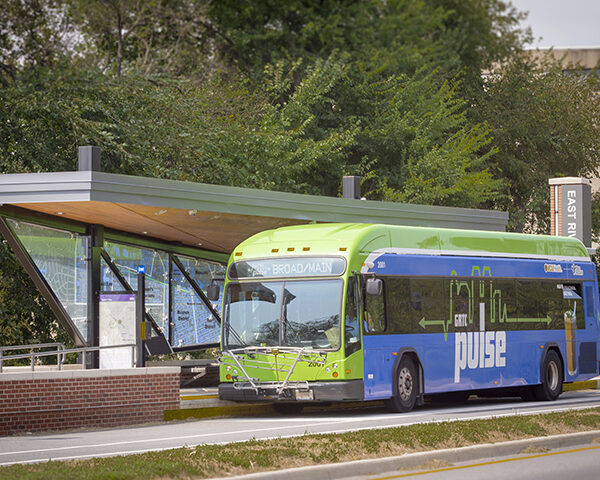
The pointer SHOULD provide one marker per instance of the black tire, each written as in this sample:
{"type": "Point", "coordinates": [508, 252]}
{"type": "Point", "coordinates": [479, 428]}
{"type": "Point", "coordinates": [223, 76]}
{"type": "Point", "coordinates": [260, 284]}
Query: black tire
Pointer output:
{"type": "Point", "coordinates": [527, 394]}
{"type": "Point", "coordinates": [552, 378]}
{"type": "Point", "coordinates": [406, 387]}
{"type": "Point", "coordinates": [288, 408]}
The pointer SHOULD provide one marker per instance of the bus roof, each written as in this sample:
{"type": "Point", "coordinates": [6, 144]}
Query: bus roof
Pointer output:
{"type": "Point", "coordinates": [328, 238]}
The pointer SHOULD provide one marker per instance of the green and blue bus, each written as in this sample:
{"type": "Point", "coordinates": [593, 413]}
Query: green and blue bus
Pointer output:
{"type": "Point", "coordinates": [357, 312]}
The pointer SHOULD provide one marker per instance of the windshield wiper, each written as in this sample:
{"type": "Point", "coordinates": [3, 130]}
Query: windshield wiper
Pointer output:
{"type": "Point", "coordinates": [236, 336]}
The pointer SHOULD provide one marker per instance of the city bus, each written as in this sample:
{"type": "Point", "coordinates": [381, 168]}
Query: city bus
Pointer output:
{"type": "Point", "coordinates": [356, 312]}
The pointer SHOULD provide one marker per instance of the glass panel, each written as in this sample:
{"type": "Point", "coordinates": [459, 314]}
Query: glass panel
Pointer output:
{"type": "Point", "coordinates": [460, 312]}
{"type": "Point", "coordinates": [252, 313]}
{"type": "Point", "coordinates": [351, 326]}
{"type": "Point", "coordinates": [374, 320]}
{"type": "Point", "coordinates": [300, 314]}
{"type": "Point", "coordinates": [193, 322]}
{"type": "Point", "coordinates": [590, 312]}
{"type": "Point", "coordinates": [127, 258]}
{"type": "Point", "coordinates": [108, 280]}
{"type": "Point", "coordinates": [401, 306]}
{"type": "Point", "coordinates": [204, 272]}
{"type": "Point", "coordinates": [60, 257]}
{"type": "Point", "coordinates": [311, 314]}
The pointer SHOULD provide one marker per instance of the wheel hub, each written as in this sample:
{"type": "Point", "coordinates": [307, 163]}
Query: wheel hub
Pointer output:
{"type": "Point", "coordinates": [405, 384]}
{"type": "Point", "coordinates": [552, 376]}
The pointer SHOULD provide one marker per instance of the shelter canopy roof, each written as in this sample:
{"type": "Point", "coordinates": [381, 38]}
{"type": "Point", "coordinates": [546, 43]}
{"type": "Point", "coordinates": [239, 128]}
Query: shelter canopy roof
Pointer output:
{"type": "Point", "coordinates": [211, 217]}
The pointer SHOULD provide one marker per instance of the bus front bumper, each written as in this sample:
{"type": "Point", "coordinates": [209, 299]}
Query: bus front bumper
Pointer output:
{"type": "Point", "coordinates": [342, 391]}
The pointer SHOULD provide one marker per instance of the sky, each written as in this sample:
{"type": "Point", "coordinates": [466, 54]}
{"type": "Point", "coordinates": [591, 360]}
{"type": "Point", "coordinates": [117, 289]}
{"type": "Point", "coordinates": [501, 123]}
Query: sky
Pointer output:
{"type": "Point", "coordinates": [562, 23]}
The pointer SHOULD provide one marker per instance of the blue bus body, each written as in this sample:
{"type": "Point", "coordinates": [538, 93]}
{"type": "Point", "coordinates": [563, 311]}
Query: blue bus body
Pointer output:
{"type": "Point", "coordinates": [495, 358]}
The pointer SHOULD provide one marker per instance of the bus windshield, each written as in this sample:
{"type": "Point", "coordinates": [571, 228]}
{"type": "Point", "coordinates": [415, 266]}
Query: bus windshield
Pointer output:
{"type": "Point", "coordinates": [301, 313]}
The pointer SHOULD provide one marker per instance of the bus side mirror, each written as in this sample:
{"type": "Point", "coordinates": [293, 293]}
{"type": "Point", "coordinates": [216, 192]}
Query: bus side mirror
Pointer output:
{"type": "Point", "coordinates": [374, 286]}
{"type": "Point", "coordinates": [212, 292]}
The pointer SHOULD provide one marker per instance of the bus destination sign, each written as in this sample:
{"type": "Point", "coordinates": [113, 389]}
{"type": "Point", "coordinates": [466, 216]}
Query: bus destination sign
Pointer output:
{"type": "Point", "coordinates": [288, 267]}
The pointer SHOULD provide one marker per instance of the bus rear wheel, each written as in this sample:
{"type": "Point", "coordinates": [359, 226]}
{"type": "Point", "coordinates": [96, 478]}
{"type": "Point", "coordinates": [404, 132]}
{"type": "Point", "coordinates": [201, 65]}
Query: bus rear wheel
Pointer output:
{"type": "Point", "coordinates": [406, 387]}
{"type": "Point", "coordinates": [552, 378]}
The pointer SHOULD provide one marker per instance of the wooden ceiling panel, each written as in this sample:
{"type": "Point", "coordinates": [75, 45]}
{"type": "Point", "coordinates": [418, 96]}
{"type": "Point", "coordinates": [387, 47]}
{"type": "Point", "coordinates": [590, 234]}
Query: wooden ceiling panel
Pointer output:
{"type": "Point", "coordinates": [209, 230]}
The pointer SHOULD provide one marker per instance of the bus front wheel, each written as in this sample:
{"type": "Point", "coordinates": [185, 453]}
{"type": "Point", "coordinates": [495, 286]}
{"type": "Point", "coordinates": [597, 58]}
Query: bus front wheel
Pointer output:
{"type": "Point", "coordinates": [552, 378]}
{"type": "Point", "coordinates": [406, 387]}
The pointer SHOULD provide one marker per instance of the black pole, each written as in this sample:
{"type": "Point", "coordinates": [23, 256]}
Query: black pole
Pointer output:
{"type": "Point", "coordinates": [140, 309]}
{"type": "Point", "coordinates": [95, 244]}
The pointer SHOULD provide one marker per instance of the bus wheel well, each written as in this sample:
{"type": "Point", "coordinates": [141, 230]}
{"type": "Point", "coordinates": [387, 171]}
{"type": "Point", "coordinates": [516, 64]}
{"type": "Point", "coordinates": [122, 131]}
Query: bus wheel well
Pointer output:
{"type": "Point", "coordinates": [551, 376]}
{"type": "Point", "coordinates": [552, 347]}
{"type": "Point", "coordinates": [412, 354]}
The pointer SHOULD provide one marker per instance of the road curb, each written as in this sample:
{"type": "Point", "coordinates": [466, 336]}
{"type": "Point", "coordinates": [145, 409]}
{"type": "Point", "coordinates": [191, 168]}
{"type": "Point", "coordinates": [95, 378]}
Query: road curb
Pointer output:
{"type": "Point", "coordinates": [334, 471]}
{"type": "Point", "coordinates": [213, 409]}
{"type": "Point", "coordinates": [224, 411]}
{"type": "Point", "coordinates": [249, 409]}
{"type": "Point", "coordinates": [586, 385]}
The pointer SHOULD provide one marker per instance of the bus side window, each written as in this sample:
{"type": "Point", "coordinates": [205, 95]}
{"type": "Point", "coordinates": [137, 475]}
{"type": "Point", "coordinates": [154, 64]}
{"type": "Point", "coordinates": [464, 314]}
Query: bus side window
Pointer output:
{"type": "Point", "coordinates": [351, 326]}
{"type": "Point", "coordinates": [590, 311]}
{"type": "Point", "coordinates": [374, 320]}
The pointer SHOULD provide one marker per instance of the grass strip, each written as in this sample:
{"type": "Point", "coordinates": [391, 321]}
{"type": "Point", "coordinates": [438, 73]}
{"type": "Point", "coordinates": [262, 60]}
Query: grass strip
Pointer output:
{"type": "Point", "coordinates": [208, 461]}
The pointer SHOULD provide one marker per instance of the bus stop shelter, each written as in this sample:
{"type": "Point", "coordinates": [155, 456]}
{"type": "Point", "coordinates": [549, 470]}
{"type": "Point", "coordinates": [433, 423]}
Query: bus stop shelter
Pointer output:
{"type": "Point", "coordinates": [82, 235]}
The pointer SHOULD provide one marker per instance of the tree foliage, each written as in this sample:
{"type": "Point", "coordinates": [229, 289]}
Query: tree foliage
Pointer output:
{"type": "Point", "coordinates": [291, 96]}
{"type": "Point", "coordinates": [545, 124]}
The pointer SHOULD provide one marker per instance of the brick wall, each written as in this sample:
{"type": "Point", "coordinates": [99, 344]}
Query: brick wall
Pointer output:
{"type": "Point", "coordinates": [41, 401]}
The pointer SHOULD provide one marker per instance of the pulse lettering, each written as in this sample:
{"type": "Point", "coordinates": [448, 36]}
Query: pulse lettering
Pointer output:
{"type": "Point", "coordinates": [478, 349]}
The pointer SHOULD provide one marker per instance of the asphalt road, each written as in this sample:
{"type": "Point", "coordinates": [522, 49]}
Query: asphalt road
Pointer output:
{"type": "Point", "coordinates": [98, 443]}
{"type": "Point", "coordinates": [579, 463]}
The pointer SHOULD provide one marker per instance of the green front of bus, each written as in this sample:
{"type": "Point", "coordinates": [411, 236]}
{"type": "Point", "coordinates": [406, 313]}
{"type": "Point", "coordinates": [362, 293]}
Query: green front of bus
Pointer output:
{"type": "Point", "coordinates": [291, 331]}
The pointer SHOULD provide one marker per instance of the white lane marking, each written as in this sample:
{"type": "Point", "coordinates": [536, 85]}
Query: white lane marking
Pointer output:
{"type": "Point", "coordinates": [184, 437]}
{"type": "Point", "coordinates": [412, 415]}
{"type": "Point", "coordinates": [347, 430]}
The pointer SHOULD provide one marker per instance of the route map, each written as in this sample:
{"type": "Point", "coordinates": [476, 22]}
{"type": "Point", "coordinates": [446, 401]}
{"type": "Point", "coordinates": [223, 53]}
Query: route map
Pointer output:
{"type": "Point", "coordinates": [192, 321]}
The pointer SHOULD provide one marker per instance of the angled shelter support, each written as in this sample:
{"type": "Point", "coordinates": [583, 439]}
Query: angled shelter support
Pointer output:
{"type": "Point", "coordinates": [38, 279]}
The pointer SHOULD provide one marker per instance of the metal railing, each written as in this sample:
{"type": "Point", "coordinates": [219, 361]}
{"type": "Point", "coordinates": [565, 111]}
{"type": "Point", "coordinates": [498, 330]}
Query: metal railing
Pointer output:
{"type": "Point", "coordinates": [60, 353]}
{"type": "Point", "coordinates": [31, 348]}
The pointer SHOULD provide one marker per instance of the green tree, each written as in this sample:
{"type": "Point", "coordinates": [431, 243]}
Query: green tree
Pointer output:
{"type": "Point", "coordinates": [545, 124]}
{"type": "Point", "coordinates": [482, 33]}
{"type": "Point", "coordinates": [31, 34]}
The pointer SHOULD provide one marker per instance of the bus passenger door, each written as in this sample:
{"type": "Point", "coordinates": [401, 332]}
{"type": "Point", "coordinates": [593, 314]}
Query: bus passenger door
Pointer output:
{"type": "Point", "coordinates": [588, 349]}
{"type": "Point", "coordinates": [374, 323]}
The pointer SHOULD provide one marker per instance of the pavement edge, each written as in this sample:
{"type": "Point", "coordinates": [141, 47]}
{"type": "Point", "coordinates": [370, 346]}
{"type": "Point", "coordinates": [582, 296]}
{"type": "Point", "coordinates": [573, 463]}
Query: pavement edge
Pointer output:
{"type": "Point", "coordinates": [374, 466]}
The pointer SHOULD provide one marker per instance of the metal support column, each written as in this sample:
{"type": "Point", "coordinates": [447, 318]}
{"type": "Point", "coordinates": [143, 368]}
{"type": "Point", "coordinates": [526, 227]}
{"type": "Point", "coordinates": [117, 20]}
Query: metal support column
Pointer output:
{"type": "Point", "coordinates": [94, 255]}
{"type": "Point", "coordinates": [140, 311]}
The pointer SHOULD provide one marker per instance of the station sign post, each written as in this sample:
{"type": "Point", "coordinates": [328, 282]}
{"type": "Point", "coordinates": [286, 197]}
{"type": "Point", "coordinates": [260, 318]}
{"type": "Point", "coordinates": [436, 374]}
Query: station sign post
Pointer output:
{"type": "Point", "coordinates": [571, 208]}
